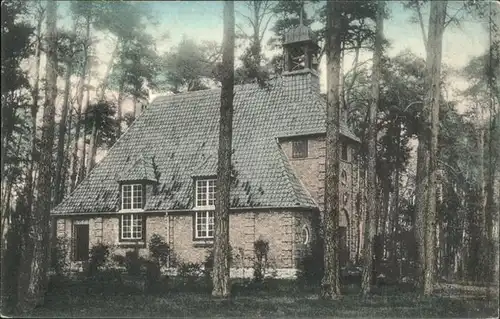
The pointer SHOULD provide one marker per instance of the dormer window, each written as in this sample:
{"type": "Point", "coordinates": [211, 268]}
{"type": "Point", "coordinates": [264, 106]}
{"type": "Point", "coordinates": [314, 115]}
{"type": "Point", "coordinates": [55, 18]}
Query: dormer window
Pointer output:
{"type": "Point", "coordinates": [204, 209]}
{"type": "Point", "coordinates": [132, 197]}
{"type": "Point", "coordinates": [205, 193]}
{"type": "Point", "coordinates": [299, 149]}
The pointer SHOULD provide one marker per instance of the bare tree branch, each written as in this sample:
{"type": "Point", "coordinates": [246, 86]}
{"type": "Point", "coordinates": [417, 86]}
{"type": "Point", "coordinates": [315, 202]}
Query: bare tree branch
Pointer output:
{"type": "Point", "coordinates": [422, 27]}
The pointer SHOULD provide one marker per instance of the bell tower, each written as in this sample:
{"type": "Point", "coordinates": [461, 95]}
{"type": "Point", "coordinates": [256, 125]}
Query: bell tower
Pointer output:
{"type": "Point", "coordinates": [301, 49]}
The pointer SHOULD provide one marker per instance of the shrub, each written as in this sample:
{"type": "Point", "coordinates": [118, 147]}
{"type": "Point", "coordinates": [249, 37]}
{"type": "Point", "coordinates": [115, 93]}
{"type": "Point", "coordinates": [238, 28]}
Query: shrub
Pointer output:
{"type": "Point", "coordinates": [59, 255]}
{"type": "Point", "coordinates": [159, 250]}
{"type": "Point", "coordinates": [310, 267]}
{"type": "Point", "coordinates": [119, 260]}
{"type": "Point", "coordinates": [98, 256]}
{"type": "Point", "coordinates": [153, 275]}
{"type": "Point", "coordinates": [106, 280]}
{"type": "Point", "coordinates": [133, 262]}
{"type": "Point", "coordinates": [189, 273]}
{"type": "Point", "coordinates": [261, 248]}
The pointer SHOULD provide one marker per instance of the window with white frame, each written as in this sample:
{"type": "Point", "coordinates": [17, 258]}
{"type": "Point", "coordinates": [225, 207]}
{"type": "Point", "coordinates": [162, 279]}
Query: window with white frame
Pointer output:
{"type": "Point", "coordinates": [305, 235]}
{"type": "Point", "coordinates": [131, 226]}
{"type": "Point", "coordinates": [204, 224]}
{"type": "Point", "coordinates": [205, 193]}
{"type": "Point", "coordinates": [132, 196]}
{"type": "Point", "coordinates": [205, 199]}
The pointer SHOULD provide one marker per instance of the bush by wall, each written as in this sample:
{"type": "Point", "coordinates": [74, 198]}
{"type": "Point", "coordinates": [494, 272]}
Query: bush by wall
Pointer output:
{"type": "Point", "coordinates": [98, 257]}
{"type": "Point", "coordinates": [261, 249]}
{"type": "Point", "coordinates": [310, 267]}
{"type": "Point", "coordinates": [59, 256]}
{"type": "Point", "coordinates": [159, 250]}
{"type": "Point", "coordinates": [133, 262]}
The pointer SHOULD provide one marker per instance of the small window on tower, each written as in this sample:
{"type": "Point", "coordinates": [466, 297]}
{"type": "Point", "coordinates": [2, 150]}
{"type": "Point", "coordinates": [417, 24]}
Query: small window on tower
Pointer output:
{"type": "Point", "coordinates": [299, 149]}
{"type": "Point", "coordinates": [345, 152]}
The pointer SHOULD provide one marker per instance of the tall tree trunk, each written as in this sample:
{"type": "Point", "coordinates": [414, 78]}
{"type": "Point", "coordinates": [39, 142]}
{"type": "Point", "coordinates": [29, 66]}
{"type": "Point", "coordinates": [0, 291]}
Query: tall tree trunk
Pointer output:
{"type": "Point", "coordinates": [342, 104]}
{"type": "Point", "coordinates": [67, 158]}
{"type": "Point", "coordinates": [221, 285]}
{"type": "Point", "coordinates": [101, 97]}
{"type": "Point", "coordinates": [330, 284]}
{"type": "Point", "coordinates": [40, 228]}
{"type": "Point", "coordinates": [79, 101]}
{"type": "Point", "coordinates": [119, 108]}
{"type": "Point", "coordinates": [34, 111]}
{"type": "Point", "coordinates": [482, 237]}
{"type": "Point", "coordinates": [386, 197]}
{"type": "Point", "coordinates": [256, 47]}
{"type": "Point", "coordinates": [420, 205]}
{"type": "Point", "coordinates": [62, 133]}
{"type": "Point", "coordinates": [105, 81]}
{"type": "Point", "coordinates": [432, 103]}
{"type": "Point", "coordinates": [395, 213]}
{"type": "Point", "coordinates": [82, 166]}
{"type": "Point", "coordinates": [7, 194]}
{"type": "Point", "coordinates": [93, 144]}
{"type": "Point", "coordinates": [493, 182]}
{"type": "Point", "coordinates": [372, 153]}
{"type": "Point", "coordinates": [134, 106]}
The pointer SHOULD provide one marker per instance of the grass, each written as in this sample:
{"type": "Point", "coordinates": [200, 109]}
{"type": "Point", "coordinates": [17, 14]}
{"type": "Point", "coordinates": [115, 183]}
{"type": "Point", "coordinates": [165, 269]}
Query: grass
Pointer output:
{"type": "Point", "coordinates": [275, 298]}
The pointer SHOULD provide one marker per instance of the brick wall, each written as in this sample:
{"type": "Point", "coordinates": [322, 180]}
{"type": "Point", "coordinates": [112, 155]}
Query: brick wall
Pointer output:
{"type": "Point", "coordinates": [282, 229]}
{"type": "Point", "coordinates": [311, 171]}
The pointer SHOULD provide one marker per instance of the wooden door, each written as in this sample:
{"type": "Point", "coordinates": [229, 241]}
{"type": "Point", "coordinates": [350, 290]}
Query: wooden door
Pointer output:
{"type": "Point", "coordinates": [81, 242]}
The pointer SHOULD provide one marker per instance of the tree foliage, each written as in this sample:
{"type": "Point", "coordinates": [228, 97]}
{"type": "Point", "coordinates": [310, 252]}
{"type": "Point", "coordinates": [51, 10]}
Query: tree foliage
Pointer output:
{"type": "Point", "coordinates": [189, 66]}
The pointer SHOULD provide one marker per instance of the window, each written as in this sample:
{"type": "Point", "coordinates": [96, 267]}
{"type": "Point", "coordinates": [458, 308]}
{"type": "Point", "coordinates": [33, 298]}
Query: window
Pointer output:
{"type": "Point", "coordinates": [346, 198]}
{"type": "Point", "coordinates": [131, 226]}
{"type": "Point", "coordinates": [132, 197]}
{"type": "Point", "coordinates": [299, 149]}
{"type": "Point", "coordinates": [305, 235]}
{"type": "Point", "coordinates": [204, 224]}
{"type": "Point", "coordinates": [345, 152]}
{"type": "Point", "coordinates": [204, 219]}
{"type": "Point", "coordinates": [205, 193]}
{"type": "Point", "coordinates": [343, 177]}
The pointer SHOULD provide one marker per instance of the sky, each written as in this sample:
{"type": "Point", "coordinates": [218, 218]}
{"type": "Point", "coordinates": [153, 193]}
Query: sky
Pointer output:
{"type": "Point", "coordinates": [203, 21]}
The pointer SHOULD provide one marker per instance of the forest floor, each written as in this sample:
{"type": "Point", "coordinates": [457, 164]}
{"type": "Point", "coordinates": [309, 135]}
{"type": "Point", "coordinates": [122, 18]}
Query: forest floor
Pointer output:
{"type": "Point", "coordinates": [275, 298]}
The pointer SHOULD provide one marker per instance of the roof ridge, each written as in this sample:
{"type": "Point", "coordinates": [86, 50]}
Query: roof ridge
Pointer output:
{"type": "Point", "coordinates": [198, 92]}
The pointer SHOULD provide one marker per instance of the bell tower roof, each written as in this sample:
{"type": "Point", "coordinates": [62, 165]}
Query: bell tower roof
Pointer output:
{"type": "Point", "coordinates": [301, 33]}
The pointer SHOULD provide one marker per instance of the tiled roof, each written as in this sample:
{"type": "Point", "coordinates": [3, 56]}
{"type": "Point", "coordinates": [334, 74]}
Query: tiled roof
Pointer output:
{"type": "Point", "coordinates": [142, 169]}
{"type": "Point", "coordinates": [176, 139]}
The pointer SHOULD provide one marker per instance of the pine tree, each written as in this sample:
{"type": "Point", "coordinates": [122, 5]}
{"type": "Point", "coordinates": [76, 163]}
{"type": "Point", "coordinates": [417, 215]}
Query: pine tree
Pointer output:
{"type": "Point", "coordinates": [432, 105]}
{"type": "Point", "coordinates": [221, 285]}
{"type": "Point", "coordinates": [371, 217]}
{"type": "Point", "coordinates": [330, 285]}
